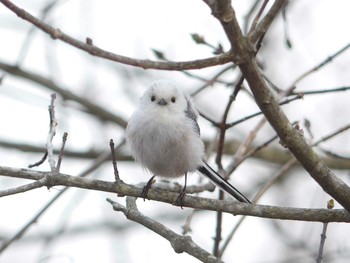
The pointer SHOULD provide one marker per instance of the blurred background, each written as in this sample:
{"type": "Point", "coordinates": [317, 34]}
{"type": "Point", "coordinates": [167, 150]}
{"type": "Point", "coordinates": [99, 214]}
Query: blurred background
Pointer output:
{"type": "Point", "coordinates": [81, 226]}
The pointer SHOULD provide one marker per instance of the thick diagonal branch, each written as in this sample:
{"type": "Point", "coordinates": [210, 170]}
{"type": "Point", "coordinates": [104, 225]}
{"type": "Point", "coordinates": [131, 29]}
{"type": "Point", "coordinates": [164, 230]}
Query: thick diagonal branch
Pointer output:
{"type": "Point", "coordinates": [290, 137]}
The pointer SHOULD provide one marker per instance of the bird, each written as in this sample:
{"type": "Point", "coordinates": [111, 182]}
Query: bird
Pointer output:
{"type": "Point", "coordinates": [164, 137]}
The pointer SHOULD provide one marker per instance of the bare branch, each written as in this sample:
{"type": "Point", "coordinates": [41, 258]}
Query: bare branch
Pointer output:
{"type": "Point", "coordinates": [322, 242]}
{"type": "Point", "coordinates": [56, 33]}
{"type": "Point", "coordinates": [97, 163]}
{"type": "Point", "coordinates": [266, 22]}
{"type": "Point", "coordinates": [315, 92]}
{"type": "Point", "coordinates": [231, 207]}
{"type": "Point", "coordinates": [186, 228]}
{"type": "Point", "coordinates": [60, 156]}
{"type": "Point", "coordinates": [89, 154]}
{"type": "Point", "coordinates": [331, 135]}
{"type": "Point", "coordinates": [114, 161]}
{"type": "Point", "coordinates": [179, 243]}
{"type": "Point", "coordinates": [229, 125]}
{"type": "Point", "coordinates": [330, 205]}
{"type": "Point", "coordinates": [257, 17]}
{"type": "Point", "coordinates": [245, 144]}
{"type": "Point", "coordinates": [320, 65]}
{"type": "Point", "coordinates": [214, 79]}
{"type": "Point", "coordinates": [52, 133]}
{"type": "Point", "coordinates": [41, 161]}
{"type": "Point", "coordinates": [248, 16]}
{"type": "Point", "coordinates": [293, 140]}
{"type": "Point", "coordinates": [91, 107]}
{"type": "Point", "coordinates": [24, 188]}
{"type": "Point", "coordinates": [222, 124]}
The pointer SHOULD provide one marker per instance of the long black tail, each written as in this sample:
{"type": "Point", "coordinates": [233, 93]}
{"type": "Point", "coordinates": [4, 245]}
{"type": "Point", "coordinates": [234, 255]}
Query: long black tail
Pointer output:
{"type": "Point", "coordinates": [222, 183]}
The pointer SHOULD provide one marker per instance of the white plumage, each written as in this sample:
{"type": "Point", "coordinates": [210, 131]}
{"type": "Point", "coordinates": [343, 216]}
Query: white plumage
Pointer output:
{"type": "Point", "coordinates": [164, 136]}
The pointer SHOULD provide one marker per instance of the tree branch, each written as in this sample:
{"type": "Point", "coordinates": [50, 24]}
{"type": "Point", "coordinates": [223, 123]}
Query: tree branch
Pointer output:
{"type": "Point", "coordinates": [270, 154]}
{"type": "Point", "coordinates": [24, 188]}
{"type": "Point", "coordinates": [166, 196]}
{"type": "Point", "coordinates": [290, 137]}
{"type": "Point", "coordinates": [321, 64]}
{"type": "Point", "coordinates": [52, 133]}
{"type": "Point", "coordinates": [66, 94]}
{"type": "Point", "coordinates": [88, 47]}
{"type": "Point", "coordinates": [179, 243]}
{"type": "Point", "coordinates": [266, 22]}
{"type": "Point", "coordinates": [36, 217]}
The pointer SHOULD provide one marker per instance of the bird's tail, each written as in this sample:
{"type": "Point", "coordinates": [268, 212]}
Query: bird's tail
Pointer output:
{"type": "Point", "coordinates": [221, 182]}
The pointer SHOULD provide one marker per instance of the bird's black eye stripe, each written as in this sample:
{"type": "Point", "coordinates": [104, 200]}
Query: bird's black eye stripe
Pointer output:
{"type": "Point", "coordinates": [153, 98]}
{"type": "Point", "coordinates": [173, 99]}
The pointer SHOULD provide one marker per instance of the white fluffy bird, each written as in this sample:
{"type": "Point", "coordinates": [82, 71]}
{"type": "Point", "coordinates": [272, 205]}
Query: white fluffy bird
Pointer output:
{"type": "Point", "coordinates": [164, 137]}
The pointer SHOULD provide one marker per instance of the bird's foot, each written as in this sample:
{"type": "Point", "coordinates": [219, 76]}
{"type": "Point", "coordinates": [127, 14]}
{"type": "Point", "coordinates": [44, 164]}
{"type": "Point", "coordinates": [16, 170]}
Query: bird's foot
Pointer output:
{"type": "Point", "coordinates": [180, 199]}
{"type": "Point", "coordinates": [147, 187]}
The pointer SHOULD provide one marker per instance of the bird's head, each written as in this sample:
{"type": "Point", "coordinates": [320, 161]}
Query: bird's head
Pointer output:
{"type": "Point", "coordinates": [164, 96]}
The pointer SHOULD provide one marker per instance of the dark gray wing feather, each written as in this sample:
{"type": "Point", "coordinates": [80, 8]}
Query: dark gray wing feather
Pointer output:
{"type": "Point", "coordinates": [222, 183]}
{"type": "Point", "coordinates": [190, 113]}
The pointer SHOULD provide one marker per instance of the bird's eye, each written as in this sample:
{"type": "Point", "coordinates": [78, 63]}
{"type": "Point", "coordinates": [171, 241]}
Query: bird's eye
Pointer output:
{"type": "Point", "coordinates": [173, 99]}
{"type": "Point", "coordinates": [153, 98]}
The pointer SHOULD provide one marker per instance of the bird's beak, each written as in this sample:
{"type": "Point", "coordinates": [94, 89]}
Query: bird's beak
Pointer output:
{"type": "Point", "coordinates": [162, 102]}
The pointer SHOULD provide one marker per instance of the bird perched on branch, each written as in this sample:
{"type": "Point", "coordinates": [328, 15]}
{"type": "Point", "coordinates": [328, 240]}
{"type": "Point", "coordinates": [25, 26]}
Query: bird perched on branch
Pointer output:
{"type": "Point", "coordinates": [164, 137]}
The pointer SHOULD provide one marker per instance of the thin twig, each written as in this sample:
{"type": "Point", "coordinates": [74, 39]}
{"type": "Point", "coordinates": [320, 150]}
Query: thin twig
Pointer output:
{"type": "Point", "coordinates": [319, 258]}
{"type": "Point", "coordinates": [222, 124]}
{"type": "Point", "coordinates": [245, 145]}
{"type": "Point", "coordinates": [257, 17]}
{"type": "Point", "coordinates": [333, 155]}
{"type": "Point", "coordinates": [41, 161]}
{"type": "Point", "coordinates": [331, 135]}
{"type": "Point", "coordinates": [249, 15]}
{"type": "Point", "coordinates": [266, 22]}
{"type": "Point", "coordinates": [186, 228]}
{"type": "Point", "coordinates": [60, 156]}
{"type": "Point", "coordinates": [246, 154]}
{"type": "Point", "coordinates": [249, 153]}
{"type": "Point", "coordinates": [320, 65]}
{"type": "Point", "coordinates": [315, 92]}
{"type": "Point", "coordinates": [214, 123]}
{"type": "Point", "coordinates": [214, 79]}
{"type": "Point", "coordinates": [207, 82]}
{"type": "Point", "coordinates": [52, 133]}
{"type": "Point", "coordinates": [285, 27]}
{"type": "Point", "coordinates": [229, 125]}
{"type": "Point", "coordinates": [322, 242]}
{"type": "Point", "coordinates": [114, 161]}
{"type": "Point", "coordinates": [218, 228]}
